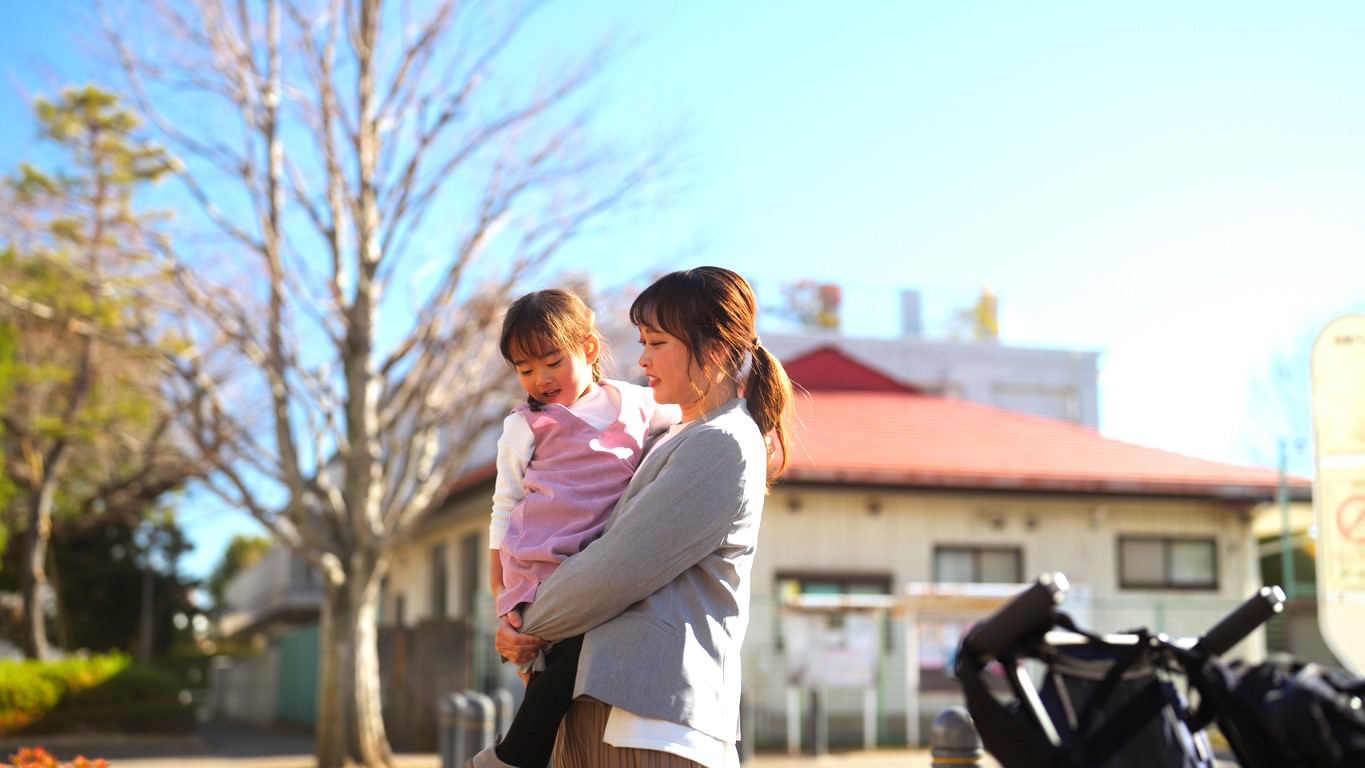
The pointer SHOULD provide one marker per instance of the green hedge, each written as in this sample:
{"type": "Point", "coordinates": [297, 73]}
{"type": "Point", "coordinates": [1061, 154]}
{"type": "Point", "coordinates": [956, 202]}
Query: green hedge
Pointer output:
{"type": "Point", "coordinates": [104, 693]}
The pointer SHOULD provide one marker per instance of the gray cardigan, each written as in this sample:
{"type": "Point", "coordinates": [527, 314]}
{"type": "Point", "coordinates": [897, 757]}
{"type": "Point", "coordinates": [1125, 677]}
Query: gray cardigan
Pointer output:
{"type": "Point", "coordinates": [663, 595]}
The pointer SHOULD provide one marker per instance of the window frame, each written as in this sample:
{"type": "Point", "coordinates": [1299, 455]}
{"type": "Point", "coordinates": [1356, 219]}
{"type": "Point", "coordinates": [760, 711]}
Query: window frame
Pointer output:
{"type": "Point", "coordinates": [884, 580]}
{"type": "Point", "coordinates": [844, 579]}
{"type": "Point", "coordinates": [1168, 580]}
{"type": "Point", "coordinates": [439, 560]}
{"type": "Point", "coordinates": [976, 551]}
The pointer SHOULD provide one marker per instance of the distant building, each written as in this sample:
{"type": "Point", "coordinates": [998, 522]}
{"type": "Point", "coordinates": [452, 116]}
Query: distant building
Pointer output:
{"type": "Point", "coordinates": [1058, 384]}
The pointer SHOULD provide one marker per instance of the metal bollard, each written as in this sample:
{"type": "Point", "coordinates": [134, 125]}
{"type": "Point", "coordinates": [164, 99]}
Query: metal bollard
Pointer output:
{"type": "Point", "coordinates": [819, 723]}
{"type": "Point", "coordinates": [449, 739]}
{"type": "Point", "coordinates": [953, 740]}
{"type": "Point", "coordinates": [748, 726]}
{"type": "Point", "coordinates": [476, 724]}
{"type": "Point", "coordinates": [506, 708]}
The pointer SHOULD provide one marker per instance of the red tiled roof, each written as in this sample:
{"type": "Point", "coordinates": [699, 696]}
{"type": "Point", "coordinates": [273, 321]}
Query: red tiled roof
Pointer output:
{"type": "Point", "coordinates": [899, 439]}
{"type": "Point", "coordinates": [828, 369]}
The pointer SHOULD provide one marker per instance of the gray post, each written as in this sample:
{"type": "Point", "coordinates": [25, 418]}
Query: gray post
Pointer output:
{"type": "Point", "coordinates": [953, 740]}
{"type": "Point", "coordinates": [748, 726]}
{"type": "Point", "coordinates": [506, 708]}
{"type": "Point", "coordinates": [448, 737]}
{"type": "Point", "coordinates": [476, 724]}
{"type": "Point", "coordinates": [819, 723]}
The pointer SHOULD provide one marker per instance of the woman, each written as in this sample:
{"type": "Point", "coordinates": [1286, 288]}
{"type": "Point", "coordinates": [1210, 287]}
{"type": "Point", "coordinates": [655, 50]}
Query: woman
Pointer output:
{"type": "Point", "coordinates": [663, 596]}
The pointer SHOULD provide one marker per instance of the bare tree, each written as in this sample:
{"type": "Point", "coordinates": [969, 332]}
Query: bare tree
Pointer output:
{"type": "Point", "coordinates": [380, 175]}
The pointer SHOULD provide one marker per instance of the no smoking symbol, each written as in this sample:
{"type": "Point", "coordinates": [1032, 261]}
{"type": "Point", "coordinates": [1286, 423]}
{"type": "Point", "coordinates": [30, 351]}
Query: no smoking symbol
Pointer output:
{"type": "Point", "coordinates": [1351, 519]}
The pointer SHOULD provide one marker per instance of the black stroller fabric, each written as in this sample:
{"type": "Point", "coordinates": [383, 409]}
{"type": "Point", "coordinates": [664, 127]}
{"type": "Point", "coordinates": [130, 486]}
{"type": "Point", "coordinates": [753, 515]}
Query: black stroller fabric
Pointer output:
{"type": "Point", "coordinates": [1120, 707]}
{"type": "Point", "coordinates": [1119, 701]}
{"type": "Point", "coordinates": [1110, 705]}
{"type": "Point", "coordinates": [1288, 713]}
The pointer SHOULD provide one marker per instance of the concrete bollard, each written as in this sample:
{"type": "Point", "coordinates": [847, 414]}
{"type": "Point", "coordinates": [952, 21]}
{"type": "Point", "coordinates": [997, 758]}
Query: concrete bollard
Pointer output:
{"type": "Point", "coordinates": [449, 739]}
{"type": "Point", "coordinates": [477, 721]}
{"type": "Point", "coordinates": [748, 726]}
{"type": "Point", "coordinates": [506, 708]}
{"type": "Point", "coordinates": [953, 740]}
{"type": "Point", "coordinates": [819, 723]}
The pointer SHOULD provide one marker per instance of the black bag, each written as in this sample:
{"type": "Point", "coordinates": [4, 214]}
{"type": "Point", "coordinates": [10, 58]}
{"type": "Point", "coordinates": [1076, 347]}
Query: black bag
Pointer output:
{"type": "Point", "coordinates": [1115, 701]}
{"type": "Point", "coordinates": [1288, 713]}
{"type": "Point", "coordinates": [1120, 705]}
{"type": "Point", "coordinates": [1106, 705]}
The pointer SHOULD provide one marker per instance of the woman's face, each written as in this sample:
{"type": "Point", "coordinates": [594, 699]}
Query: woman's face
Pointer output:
{"type": "Point", "coordinates": [672, 374]}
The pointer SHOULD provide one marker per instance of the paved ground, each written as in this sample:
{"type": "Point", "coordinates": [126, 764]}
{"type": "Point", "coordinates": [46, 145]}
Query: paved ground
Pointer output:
{"type": "Point", "coordinates": [225, 745]}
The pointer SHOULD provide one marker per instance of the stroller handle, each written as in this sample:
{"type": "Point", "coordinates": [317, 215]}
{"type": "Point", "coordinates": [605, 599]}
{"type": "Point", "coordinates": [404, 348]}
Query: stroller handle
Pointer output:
{"type": "Point", "coordinates": [1026, 612]}
{"type": "Point", "coordinates": [1243, 620]}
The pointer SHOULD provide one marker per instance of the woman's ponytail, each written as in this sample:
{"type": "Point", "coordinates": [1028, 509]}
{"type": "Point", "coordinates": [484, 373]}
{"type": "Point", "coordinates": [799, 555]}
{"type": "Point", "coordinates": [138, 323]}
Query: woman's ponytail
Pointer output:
{"type": "Point", "coordinates": [768, 393]}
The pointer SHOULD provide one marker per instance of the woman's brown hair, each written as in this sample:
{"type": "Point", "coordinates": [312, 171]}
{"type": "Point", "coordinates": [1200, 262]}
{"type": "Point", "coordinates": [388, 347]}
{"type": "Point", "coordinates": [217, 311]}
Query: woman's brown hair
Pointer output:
{"type": "Point", "coordinates": [713, 307]}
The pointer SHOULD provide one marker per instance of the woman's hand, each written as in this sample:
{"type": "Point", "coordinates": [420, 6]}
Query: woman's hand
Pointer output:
{"type": "Point", "coordinates": [511, 643]}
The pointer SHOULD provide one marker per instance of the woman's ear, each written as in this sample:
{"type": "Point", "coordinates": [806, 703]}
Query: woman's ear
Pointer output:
{"type": "Point", "coordinates": [714, 352]}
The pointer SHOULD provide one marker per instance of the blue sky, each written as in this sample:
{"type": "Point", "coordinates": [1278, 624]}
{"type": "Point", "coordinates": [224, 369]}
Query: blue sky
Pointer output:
{"type": "Point", "coordinates": [1177, 186]}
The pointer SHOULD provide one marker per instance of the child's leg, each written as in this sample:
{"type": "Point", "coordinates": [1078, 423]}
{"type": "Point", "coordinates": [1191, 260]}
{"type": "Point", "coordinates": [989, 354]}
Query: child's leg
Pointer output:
{"type": "Point", "coordinates": [531, 737]}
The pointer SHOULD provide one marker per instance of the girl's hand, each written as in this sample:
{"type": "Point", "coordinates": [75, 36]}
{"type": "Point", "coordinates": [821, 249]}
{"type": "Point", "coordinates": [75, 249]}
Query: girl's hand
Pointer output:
{"type": "Point", "coordinates": [511, 643]}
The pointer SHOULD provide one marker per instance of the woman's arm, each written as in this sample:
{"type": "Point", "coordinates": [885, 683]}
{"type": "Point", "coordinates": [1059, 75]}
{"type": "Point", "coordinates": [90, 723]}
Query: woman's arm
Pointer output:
{"type": "Point", "coordinates": [675, 521]}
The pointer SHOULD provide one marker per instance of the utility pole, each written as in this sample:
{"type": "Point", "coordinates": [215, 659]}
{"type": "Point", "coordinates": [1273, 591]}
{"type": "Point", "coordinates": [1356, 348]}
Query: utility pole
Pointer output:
{"type": "Point", "coordinates": [1286, 534]}
{"type": "Point", "coordinates": [1286, 549]}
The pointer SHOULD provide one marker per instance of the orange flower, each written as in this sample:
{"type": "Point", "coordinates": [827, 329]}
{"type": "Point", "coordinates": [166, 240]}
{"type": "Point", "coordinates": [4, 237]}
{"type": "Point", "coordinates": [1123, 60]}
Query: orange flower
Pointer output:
{"type": "Point", "coordinates": [37, 757]}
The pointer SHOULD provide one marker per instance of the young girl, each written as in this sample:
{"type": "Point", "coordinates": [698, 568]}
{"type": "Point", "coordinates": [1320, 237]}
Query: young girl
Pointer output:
{"type": "Point", "coordinates": [564, 458]}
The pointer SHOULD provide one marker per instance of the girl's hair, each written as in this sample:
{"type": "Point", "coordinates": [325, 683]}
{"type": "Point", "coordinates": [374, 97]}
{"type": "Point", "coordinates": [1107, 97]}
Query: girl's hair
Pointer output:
{"type": "Point", "coordinates": [545, 322]}
{"type": "Point", "coordinates": [712, 308]}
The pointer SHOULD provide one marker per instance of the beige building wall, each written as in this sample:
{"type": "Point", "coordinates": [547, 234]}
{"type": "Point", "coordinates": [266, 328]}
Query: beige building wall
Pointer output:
{"type": "Point", "coordinates": [892, 534]}
{"type": "Point", "coordinates": [459, 529]}
{"type": "Point", "coordinates": [893, 531]}
{"type": "Point", "coordinates": [850, 532]}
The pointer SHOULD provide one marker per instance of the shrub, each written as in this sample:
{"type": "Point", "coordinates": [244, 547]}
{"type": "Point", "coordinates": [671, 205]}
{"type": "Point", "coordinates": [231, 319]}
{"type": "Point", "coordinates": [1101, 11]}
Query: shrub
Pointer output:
{"type": "Point", "coordinates": [98, 693]}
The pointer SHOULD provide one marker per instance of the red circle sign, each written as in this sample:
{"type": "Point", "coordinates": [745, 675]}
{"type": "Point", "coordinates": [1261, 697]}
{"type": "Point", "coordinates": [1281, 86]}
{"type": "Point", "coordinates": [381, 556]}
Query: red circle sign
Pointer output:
{"type": "Point", "coordinates": [1351, 519]}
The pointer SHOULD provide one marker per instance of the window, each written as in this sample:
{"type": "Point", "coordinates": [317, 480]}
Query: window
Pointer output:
{"type": "Point", "coordinates": [301, 572]}
{"type": "Point", "coordinates": [978, 565]}
{"type": "Point", "coordinates": [792, 584]}
{"type": "Point", "coordinates": [1151, 562]}
{"type": "Point", "coordinates": [439, 579]}
{"type": "Point", "coordinates": [472, 552]}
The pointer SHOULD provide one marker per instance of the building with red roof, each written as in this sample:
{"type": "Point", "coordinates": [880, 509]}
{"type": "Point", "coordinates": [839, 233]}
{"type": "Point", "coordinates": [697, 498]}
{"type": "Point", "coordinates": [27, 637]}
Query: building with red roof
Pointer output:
{"type": "Point", "coordinates": [893, 490]}
{"type": "Point", "coordinates": [914, 501]}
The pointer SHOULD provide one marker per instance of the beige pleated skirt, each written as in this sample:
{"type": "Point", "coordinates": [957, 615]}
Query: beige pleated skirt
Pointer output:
{"type": "Point", "coordinates": [580, 743]}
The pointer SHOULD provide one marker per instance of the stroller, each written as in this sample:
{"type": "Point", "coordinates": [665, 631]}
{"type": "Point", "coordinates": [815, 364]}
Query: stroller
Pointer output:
{"type": "Point", "coordinates": [1112, 701]}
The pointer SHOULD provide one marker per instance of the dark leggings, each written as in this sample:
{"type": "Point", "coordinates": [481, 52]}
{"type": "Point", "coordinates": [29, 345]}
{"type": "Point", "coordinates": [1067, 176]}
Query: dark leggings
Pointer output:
{"type": "Point", "coordinates": [531, 737]}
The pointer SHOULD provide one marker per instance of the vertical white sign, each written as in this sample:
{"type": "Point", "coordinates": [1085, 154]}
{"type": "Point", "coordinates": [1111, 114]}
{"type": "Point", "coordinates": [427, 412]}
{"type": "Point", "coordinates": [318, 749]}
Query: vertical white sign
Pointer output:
{"type": "Point", "coordinates": [1339, 485]}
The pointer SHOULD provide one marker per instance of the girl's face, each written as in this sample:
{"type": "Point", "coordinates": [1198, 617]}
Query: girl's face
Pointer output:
{"type": "Point", "coordinates": [672, 374]}
{"type": "Point", "coordinates": [560, 377]}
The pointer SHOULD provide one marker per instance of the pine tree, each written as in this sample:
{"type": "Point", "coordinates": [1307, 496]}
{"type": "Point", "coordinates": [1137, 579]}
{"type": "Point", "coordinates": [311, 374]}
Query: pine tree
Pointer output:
{"type": "Point", "coordinates": [86, 430]}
